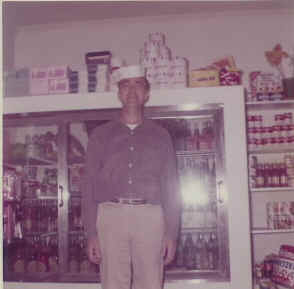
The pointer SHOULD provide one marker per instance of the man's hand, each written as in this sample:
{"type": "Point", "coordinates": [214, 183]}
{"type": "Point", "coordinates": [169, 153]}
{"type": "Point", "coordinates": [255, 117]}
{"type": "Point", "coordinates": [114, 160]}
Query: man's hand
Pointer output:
{"type": "Point", "coordinates": [170, 247]}
{"type": "Point", "coordinates": [93, 250]}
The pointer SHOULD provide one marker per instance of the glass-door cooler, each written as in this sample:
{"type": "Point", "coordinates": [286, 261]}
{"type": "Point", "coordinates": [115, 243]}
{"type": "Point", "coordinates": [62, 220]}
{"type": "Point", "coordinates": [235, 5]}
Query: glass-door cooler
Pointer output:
{"type": "Point", "coordinates": [43, 165]}
{"type": "Point", "coordinates": [31, 207]}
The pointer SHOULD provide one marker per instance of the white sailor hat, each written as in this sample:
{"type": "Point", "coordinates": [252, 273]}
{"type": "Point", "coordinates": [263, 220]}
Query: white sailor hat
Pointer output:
{"type": "Point", "coordinates": [130, 72]}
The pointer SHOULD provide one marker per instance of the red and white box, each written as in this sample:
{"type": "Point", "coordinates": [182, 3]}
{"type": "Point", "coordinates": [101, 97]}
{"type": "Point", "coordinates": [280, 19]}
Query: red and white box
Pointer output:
{"type": "Point", "coordinates": [230, 77]}
{"type": "Point", "coordinates": [265, 83]}
{"type": "Point", "coordinates": [283, 271]}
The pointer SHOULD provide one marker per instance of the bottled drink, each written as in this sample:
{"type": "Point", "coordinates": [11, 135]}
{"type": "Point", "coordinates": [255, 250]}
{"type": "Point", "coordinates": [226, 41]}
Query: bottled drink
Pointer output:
{"type": "Point", "coordinates": [275, 175]}
{"type": "Point", "coordinates": [73, 263]}
{"type": "Point", "coordinates": [42, 257]}
{"type": "Point", "coordinates": [283, 177]}
{"type": "Point", "coordinates": [28, 221]}
{"type": "Point", "coordinates": [53, 256]}
{"type": "Point", "coordinates": [29, 146]}
{"type": "Point", "coordinates": [32, 265]}
{"type": "Point", "coordinates": [19, 258]}
{"type": "Point", "coordinates": [212, 252]}
{"type": "Point", "coordinates": [250, 135]}
{"type": "Point", "coordinates": [180, 254]}
{"type": "Point", "coordinates": [259, 179]}
{"type": "Point", "coordinates": [189, 252]}
{"type": "Point", "coordinates": [200, 252]}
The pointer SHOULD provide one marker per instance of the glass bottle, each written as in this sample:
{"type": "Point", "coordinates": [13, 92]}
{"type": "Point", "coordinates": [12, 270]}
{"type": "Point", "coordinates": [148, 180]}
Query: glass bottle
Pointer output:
{"type": "Point", "coordinates": [85, 266]}
{"type": "Point", "coordinates": [73, 262]}
{"type": "Point", "coordinates": [53, 256]}
{"type": "Point", "coordinates": [42, 256]}
{"type": "Point", "coordinates": [200, 252]}
{"type": "Point", "coordinates": [19, 260]}
{"type": "Point", "coordinates": [180, 254]}
{"type": "Point", "coordinates": [188, 250]}
{"type": "Point", "coordinates": [32, 265]}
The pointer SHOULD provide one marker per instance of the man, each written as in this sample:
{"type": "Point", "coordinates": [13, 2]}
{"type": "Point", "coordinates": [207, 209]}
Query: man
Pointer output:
{"type": "Point", "coordinates": [131, 189]}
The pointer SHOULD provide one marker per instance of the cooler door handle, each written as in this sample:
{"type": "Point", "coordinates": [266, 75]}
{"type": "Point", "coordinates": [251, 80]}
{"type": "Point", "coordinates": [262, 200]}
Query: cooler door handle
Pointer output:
{"type": "Point", "coordinates": [61, 196]}
{"type": "Point", "coordinates": [219, 192]}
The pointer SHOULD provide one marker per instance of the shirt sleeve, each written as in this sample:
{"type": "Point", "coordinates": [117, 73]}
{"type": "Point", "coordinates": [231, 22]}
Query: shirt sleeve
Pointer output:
{"type": "Point", "coordinates": [89, 205]}
{"type": "Point", "coordinates": [170, 189]}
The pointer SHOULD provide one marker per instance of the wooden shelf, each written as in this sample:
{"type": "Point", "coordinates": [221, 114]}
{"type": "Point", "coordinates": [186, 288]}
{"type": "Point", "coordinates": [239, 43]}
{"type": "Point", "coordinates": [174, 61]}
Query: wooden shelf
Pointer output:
{"type": "Point", "coordinates": [270, 231]}
{"type": "Point", "coordinates": [29, 162]}
{"type": "Point", "coordinates": [193, 153]}
{"type": "Point", "coordinates": [272, 151]}
{"type": "Point", "coordinates": [276, 189]}
{"type": "Point", "coordinates": [267, 105]}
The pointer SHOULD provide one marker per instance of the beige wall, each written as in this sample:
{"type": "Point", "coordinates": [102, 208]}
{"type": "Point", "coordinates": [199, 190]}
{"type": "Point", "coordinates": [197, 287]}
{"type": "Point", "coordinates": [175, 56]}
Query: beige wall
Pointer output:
{"type": "Point", "coordinates": [201, 38]}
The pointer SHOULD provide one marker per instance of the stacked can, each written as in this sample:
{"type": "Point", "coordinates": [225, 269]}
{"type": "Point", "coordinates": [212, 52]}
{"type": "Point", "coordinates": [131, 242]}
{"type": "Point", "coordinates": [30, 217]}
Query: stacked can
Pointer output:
{"type": "Point", "coordinates": [162, 70]}
{"type": "Point", "coordinates": [289, 161]}
{"type": "Point", "coordinates": [280, 215]}
{"type": "Point", "coordinates": [262, 135]}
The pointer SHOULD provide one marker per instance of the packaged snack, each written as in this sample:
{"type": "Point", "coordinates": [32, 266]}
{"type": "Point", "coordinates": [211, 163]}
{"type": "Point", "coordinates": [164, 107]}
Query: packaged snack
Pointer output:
{"type": "Point", "coordinates": [204, 77]}
{"type": "Point", "coordinates": [287, 251]}
{"type": "Point", "coordinates": [230, 77]}
{"type": "Point", "coordinates": [58, 72]}
{"type": "Point", "coordinates": [58, 86]}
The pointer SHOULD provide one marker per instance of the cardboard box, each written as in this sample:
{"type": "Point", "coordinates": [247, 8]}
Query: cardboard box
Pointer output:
{"type": "Point", "coordinates": [98, 57]}
{"type": "Point", "coordinates": [200, 78]}
{"type": "Point", "coordinates": [59, 86]}
{"type": "Point", "coordinates": [265, 83]}
{"type": "Point", "coordinates": [58, 72]}
{"type": "Point", "coordinates": [38, 73]}
{"type": "Point", "coordinates": [39, 86]}
{"type": "Point", "coordinates": [16, 83]}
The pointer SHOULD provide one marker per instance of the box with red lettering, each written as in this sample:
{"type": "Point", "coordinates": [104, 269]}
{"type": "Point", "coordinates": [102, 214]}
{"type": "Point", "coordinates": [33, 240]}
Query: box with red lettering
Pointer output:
{"type": "Point", "coordinates": [283, 271]}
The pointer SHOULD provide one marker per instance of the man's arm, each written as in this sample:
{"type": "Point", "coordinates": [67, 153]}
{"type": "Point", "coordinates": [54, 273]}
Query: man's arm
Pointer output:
{"type": "Point", "coordinates": [171, 200]}
{"type": "Point", "coordinates": [89, 205]}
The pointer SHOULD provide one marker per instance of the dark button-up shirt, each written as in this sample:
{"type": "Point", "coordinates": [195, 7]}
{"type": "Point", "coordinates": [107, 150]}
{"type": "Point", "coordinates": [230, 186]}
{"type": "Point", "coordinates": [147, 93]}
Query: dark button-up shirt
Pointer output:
{"type": "Point", "coordinates": [131, 163]}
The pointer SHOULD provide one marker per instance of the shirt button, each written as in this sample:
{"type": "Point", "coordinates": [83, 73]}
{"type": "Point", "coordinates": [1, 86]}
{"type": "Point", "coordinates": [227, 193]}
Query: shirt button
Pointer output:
{"type": "Point", "coordinates": [132, 132]}
{"type": "Point", "coordinates": [130, 165]}
{"type": "Point", "coordinates": [131, 148]}
{"type": "Point", "coordinates": [130, 181]}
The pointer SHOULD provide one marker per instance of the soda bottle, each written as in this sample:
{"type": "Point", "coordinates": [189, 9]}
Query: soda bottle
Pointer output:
{"type": "Point", "coordinates": [180, 254]}
{"type": "Point", "coordinates": [189, 252]}
{"type": "Point", "coordinates": [200, 252]}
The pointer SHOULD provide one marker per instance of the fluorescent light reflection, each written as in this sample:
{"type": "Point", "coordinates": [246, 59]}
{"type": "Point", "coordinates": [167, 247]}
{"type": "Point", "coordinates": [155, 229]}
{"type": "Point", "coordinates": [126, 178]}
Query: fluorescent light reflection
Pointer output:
{"type": "Point", "coordinates": [194, 193]}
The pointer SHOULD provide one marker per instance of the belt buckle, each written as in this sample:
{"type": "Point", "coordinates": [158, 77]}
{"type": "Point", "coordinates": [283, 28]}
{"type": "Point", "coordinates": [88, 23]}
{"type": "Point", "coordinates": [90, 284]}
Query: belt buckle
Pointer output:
{"type": "Point", "coordinates": [137, 201]}
{"type": "Point", "coordinates": [132, 201]}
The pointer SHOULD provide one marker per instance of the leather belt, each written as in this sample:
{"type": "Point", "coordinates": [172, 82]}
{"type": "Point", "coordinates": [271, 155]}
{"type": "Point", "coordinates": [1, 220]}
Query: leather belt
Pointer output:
{"type": "Point", "coordinates": [129, 201]}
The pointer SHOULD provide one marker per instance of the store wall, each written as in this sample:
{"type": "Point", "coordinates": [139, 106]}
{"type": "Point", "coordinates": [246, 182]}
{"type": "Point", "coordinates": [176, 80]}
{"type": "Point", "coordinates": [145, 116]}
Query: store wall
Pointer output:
{"type": "Point", "coordinates": [201, 38]}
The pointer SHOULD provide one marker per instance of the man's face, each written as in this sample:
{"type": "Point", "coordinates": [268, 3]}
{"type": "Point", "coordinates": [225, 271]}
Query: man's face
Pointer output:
{"type": "Point", "coordinates": [133, 92]}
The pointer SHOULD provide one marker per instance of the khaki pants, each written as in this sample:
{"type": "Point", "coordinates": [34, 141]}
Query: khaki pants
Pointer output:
{"type": "Point", "coordinates": [131, 242]}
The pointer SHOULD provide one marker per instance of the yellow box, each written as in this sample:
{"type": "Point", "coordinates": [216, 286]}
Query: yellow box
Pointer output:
{"type": "Point", "coordinates": [200, 78]}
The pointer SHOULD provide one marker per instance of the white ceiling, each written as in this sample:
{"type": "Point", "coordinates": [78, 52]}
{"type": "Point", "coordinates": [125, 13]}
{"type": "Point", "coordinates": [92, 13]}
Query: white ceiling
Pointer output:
{"type": "Point", "coordinates": [44, 12]}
